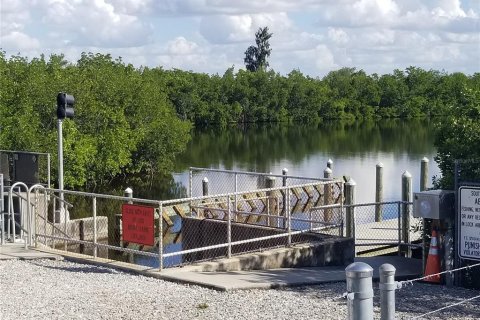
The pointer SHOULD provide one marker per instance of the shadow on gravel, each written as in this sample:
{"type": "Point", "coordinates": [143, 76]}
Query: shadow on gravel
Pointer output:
{"type": "Point", "coordinates": [79, 269]}
{"type": "Point", "coordinates": [423, 298]}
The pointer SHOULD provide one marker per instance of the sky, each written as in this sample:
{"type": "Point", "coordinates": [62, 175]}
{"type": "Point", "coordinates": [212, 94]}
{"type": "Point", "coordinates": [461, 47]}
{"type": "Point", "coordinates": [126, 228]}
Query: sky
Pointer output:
{"type": "Point", "coordinates": [313, 36]}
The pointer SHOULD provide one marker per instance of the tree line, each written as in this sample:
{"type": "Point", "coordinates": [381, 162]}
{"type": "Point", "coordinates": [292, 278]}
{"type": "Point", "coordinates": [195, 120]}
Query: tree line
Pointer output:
{"type": "Point", "coordinates": [135, 120]}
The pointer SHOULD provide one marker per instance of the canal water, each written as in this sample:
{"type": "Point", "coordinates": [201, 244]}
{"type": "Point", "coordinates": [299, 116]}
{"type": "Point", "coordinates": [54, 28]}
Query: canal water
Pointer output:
{"type": "Point", "coordinates": [355, 149]}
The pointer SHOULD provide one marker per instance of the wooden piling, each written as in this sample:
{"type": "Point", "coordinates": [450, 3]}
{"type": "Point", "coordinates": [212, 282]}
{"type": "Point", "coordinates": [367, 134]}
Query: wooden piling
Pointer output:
{"type": "Point", "coordinates": [379, 192]}
{"type": "Point", "coordinates": [271, 201]}
{"type": "Point", "coordinates": [424, 174]}
{"type": "Point", "coordinates": [406, 197]}
{"type": "Point", "coordinates": [350, 210]}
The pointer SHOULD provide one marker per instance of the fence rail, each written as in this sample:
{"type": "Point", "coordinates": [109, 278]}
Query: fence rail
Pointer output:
{"type": "Point", "coordinates": [238, 222]}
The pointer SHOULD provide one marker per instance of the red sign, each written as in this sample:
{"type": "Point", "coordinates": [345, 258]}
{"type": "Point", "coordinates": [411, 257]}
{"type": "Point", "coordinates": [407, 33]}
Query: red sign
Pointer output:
{"type": "Point", "coordinates": [138, 224]}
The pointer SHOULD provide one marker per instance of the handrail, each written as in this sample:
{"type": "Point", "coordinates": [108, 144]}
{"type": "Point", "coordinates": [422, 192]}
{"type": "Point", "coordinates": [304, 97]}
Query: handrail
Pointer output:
{"type": "Point", "coordinates": [11, 214]}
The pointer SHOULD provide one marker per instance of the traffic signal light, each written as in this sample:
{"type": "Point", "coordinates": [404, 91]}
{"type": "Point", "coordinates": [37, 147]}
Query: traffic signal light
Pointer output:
{"type": "Point", "coordinates": [65, 104]}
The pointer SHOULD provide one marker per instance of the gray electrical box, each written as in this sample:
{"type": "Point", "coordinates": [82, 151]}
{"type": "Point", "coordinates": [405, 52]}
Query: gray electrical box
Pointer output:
{"type": "Point", "coordinates": [434, 204]}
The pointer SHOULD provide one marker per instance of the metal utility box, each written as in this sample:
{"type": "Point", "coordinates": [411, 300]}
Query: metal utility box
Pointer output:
{"type": "Point", "coordinates": [434, 204]}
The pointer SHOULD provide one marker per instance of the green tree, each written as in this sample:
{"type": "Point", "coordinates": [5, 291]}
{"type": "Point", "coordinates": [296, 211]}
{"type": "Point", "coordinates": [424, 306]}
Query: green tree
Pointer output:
{"type": "Point", "coordinates": [256, 56]}
{"type": "Point", "coordinates": [458, 138]}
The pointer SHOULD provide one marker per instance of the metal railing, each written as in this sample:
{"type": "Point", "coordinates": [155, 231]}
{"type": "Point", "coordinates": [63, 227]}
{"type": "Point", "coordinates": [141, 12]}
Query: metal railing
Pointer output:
{"type": "Point", "coordinates": [237, 223]}
{"type": "Point", "coordinates": [206, 227]}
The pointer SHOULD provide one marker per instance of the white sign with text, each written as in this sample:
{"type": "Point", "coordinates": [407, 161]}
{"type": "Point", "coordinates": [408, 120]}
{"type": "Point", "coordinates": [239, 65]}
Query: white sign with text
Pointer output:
{"type": "Point", "coordinates": [469, 223]}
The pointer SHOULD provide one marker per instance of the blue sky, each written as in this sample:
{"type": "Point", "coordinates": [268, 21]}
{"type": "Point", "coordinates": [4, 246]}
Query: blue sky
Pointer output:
{"type": "Point", "coordinates": [314, 36]}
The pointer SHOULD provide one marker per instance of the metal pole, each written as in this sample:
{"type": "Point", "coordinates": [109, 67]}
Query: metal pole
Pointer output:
{"type": "Point", "coordinates": [190, 183]}
{"type": "Point", "coordinates": [379, 192]}
{"type": "Point", "coordinates": [60, 163]}
{"type": "Point", "coordinates": [235, 205]}
{"type": "Point", "coordinates": [350, 210]}
{"type": "Point", "coordinates": [54, 209]}
{"type": "Point", "coordinates": [2, 210]}
{"type": "Point", "coordinates": [45, 217]}
{"type": "Point", "coordinates": [327, 195]}
{"type": "Point", "coordinates": [94, 208]}
{"type": "Point", "coordinates": [160, 237]}
{"type": "Point", "coordinates": [284, 197]}
{"type": "Point", "coordinates": [399, 218]}
{"type": "Point", "coordinates": [289, 218]}
{"type": "Point", "coordinates": [360, 291]}
{"type": "Point", "coordinates": [457, 262]}
{"type": "Point", "coordinates": [48, 171]}
{"type": "Point", "coordinates": [229, 229]}
{"type": "Point", "coordinates": [449, 256]}
{"type": "Point", "coordinates": [387, 291]}
{"type": "Point", "coordinates": [406, 198]}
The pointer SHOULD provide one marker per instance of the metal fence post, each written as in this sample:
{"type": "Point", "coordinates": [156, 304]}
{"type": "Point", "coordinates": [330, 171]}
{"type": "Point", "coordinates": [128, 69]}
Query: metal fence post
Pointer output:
{"type": "Point", "coordinates": [289, 218]}
{"type": "Point", "coordinates": [94, 208]}
{"type": "Point", "coordinates": [235, 199]}
{"type": "Point", "coordinates": [350, 210]}
{"type": "Point", "coordinates": [284, 197]}
{"type": "Point", "coordinates": [160, 237]}
{"type": "Point", "coordinates": [327, 195]}
{"type": "Point", "coordinates": [406, 198]}
{"type": "Point", "coordinates": [2, 210]}
{"type": "Point", "coordinates": [190, 183]}
{"type": "Point", "coordinates": [387, 287]}
{"type": "Point", "coordinates": [360, 291]}
{"type": "Point", "coordinates": [379, 192]}
{"type": "Point", "coordinates": [229, 229]}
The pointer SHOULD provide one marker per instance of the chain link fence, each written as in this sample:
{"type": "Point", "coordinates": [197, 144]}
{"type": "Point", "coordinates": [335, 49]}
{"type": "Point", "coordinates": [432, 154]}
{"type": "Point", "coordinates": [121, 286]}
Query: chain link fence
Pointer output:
{"type": "Point", "coordinates": [228, 181]}
{"type": "Point", "coordinates": [392, 233]}
{"type": "Point", "coordinates": [189, 230]}
{"type": "Point", "coordinates": [184, 231]}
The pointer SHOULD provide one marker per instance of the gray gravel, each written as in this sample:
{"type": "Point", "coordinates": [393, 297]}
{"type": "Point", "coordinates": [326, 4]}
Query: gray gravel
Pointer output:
{"type": "Point", "coordinates": [45, 289]}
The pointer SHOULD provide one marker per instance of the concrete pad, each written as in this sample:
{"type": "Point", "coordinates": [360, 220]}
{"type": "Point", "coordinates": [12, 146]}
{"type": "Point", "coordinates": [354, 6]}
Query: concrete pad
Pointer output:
{"type": "Point", "coordinates": [11, 251]}
{"type": "Point", "coordinates": [254, 279]}
{"type": "Point", "coordinates": [275, 278]}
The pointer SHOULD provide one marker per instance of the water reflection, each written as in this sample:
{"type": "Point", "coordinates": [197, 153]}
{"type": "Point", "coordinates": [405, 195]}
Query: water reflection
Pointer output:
{"type": "Point", "coordinates": [355, 149]}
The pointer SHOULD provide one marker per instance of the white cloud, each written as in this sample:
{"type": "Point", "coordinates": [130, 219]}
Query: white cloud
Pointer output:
{"type": "Point", "coordinates": [314, 36]}
{"type": "Point", "coordinates": [181, 46]}
{"type": "Point", "coordinates": [241, 28]}
{"type": "Point", "coordinates": [19, 41]}
{"type": "Point", "coordinates": [95, 23]}
{"type": "Point", "coordinates": [338, 36]}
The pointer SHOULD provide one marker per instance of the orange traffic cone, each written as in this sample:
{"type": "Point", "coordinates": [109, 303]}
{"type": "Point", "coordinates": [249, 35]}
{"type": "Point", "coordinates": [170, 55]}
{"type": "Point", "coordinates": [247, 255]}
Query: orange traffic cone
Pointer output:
{"type": "Point", "coordinates": [433, 260]}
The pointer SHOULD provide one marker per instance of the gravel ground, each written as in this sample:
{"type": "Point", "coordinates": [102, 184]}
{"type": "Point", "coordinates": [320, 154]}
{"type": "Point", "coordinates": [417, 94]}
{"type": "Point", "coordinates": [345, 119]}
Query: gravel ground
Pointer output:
{"type": "Point", "coordinates": [45, 289]}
